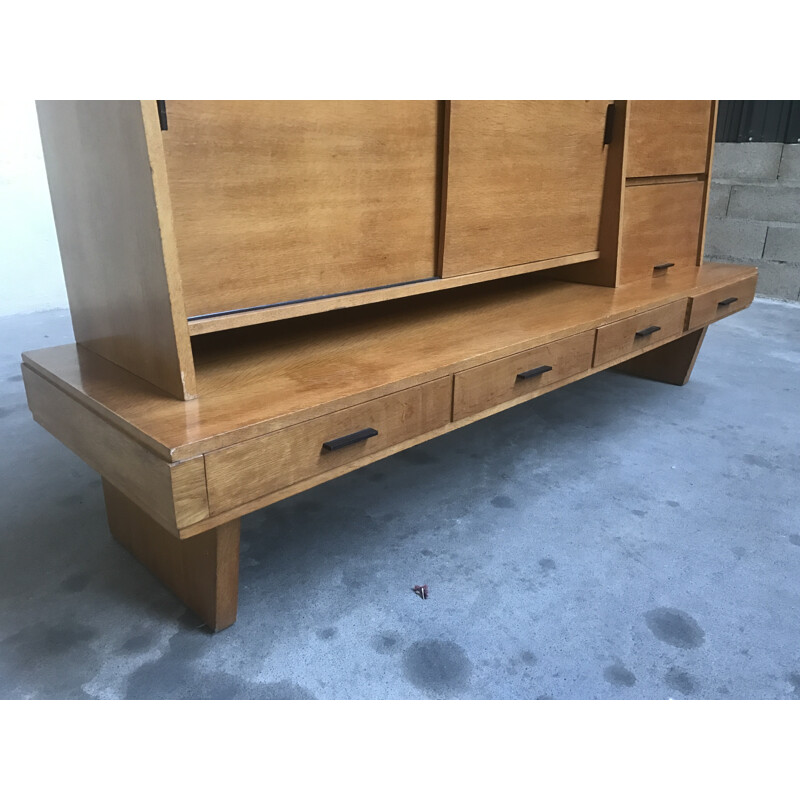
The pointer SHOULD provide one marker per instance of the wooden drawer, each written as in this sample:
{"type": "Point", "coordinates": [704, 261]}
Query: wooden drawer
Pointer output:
{"type": "Point", "coordinates": [638, 332]}
{"type": "Point", "coordinates": [499, 381]}
{"type": "Point", "coordinates": [714, 305]}
{"type": "Point", "coordinates": [244, 472]}
{"type": "Point", "coordinates": [668, 137]}
{"type": "Point", "coordinates": [661, 225]}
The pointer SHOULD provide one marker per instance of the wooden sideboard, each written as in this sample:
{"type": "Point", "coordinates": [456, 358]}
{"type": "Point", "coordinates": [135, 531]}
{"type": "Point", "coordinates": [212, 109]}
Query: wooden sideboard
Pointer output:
{"type": "Point", "coordinates": [266, 295]}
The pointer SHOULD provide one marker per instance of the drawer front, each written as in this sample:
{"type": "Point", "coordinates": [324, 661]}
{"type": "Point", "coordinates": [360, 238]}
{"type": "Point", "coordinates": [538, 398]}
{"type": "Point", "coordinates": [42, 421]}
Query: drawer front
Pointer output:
{"type": "Point", "coordinates": [638, 332]}
{"type": "Point", "coordinates": [661, 226]}
{"type": "Point", "coordinates": [250, 470]}
{"type": "Point", "coordinates": [525, 374]}
{"type": "Point", "coordinates": [668, 137]}
{"type": "Point", "coordinates": [711, 306]}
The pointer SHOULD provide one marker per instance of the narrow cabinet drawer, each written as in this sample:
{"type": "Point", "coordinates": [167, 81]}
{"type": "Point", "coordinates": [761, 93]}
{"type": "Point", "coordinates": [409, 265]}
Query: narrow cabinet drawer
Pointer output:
{"type": "Point", "coordinates": [638, 332]}
{"type": "Point", "coordinates": [246, 471]}
{"type": "Point", "coordinates": [525, 374]}
{"type": "Point", "coordinates": [660, 229]}
{"type": "Point", "coordinates": [714, 305]}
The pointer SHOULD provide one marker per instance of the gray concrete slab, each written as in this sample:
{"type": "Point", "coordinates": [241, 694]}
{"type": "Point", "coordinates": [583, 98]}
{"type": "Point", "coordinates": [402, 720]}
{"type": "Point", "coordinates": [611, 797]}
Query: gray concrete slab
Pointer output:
{"type": "Point", "coordinates": [768, 203]}
{"type": "Point", "coordinates": [783, 244]}
{"type": "Point", "coordinates": [729, 238]}
{"type": "Point", "coordinates": [746, 162]}
{"type": "Point", "coordinates": [790, 164]}
{"type": "Point", "coordinates": [718, 199]}
{"type": "Point", "coordinates": [617, 538]}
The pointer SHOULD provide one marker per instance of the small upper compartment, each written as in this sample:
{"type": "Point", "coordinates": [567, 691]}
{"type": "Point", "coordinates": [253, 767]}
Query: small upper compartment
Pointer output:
{"type": "Point", "coordinates": [668, 137]}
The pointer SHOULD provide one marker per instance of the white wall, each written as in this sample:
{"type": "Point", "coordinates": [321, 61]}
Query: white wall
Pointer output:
{"type": "Point", "coordinates": [30, 266]}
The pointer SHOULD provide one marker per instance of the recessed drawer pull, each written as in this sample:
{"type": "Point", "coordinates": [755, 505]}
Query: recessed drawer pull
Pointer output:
{"type": "Point", "coordinates": [532, 373]}
{"type": "Point", "coordinates": [351, 438]}
{"type": "Point", "coordinates": [727, 301]}
{"type": "Point", "coordinates": [665, 265]}
{"type": "Point", "coordinates": [648, 331]}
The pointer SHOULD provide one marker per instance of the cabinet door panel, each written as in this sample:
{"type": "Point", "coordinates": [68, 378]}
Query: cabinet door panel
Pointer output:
{"type": "Point", "coordinates": [661, 224]}
{"type": "Point", "coordinates": [277, 201]}
{"type": "Point", "coordinates": [668, 137]}
{"type": "Point", "coordinates": [524, 182]}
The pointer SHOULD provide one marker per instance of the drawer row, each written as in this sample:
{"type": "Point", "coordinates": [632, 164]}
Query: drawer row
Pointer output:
{"type": "Point", "coordinates": [346, 439]}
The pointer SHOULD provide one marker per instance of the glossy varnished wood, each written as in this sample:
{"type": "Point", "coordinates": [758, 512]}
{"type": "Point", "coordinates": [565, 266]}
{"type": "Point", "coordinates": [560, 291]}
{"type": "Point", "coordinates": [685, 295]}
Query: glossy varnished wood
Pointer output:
{"type": "Point", "coordinates": [202, 571]}
{"type": "Point", "coordinates": [709, 306]}
{"type": "Point", "coordinates": [524, 182]}
{"type": "Point", "coordinates": [243, 319]}
{"type": "Point", "coordinates": [668, 137]}
{"type": "Point", "coordinates": [671, 363]}
{"type": "Point", "coordinates": [125, 300]}
{"type": "Point", "coordinates": [308, 483]}
{"type": "Point", "coordinates": [255, 381]}
{"type": "Point", "coordinates": [498, 381]}
{"type": "Point", "coordinates": [626, 336]}
{"type": "Point", "coordinates": [276, 201]}
{"type": "Point", "coordinates": [174, 493]}
{"type": "Point", "coordinates": [264, 465]}
{"type": "Point", "coordinates": [661, 224]}
{"type": "Point", "coordinates": [603, 271]}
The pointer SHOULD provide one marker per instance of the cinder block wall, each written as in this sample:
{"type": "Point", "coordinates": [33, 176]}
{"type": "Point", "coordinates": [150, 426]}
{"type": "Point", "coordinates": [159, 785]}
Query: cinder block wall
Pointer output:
{"type": "Point", "coordinates": [754, 213]}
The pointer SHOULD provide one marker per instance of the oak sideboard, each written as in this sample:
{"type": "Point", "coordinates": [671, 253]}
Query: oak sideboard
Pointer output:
{"type": "Point", "coordinates": [266, 295]}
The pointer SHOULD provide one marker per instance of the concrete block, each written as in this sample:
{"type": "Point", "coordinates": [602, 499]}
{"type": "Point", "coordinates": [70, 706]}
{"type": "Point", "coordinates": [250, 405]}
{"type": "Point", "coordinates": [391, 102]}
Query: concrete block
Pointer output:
{"type": "Point", "coordinates": [746, 161]}
{"type": "Point", "coordinates": [778, 280]}
{"type": "Point", "coordinates": [718, 199]}
{"type": "Point", "coordinates": [735, 238]}
{"type": "Point", "coordinates": [790, 164]}
{"type": "Point", "coordinates": [768, 203]}
{"type": "Point", "coordinates": [783, 244]}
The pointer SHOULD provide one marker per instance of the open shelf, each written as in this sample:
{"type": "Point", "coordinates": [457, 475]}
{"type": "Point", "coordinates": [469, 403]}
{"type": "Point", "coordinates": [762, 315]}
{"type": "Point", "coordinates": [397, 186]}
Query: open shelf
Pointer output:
{"type": "Point", "coordinates": [260, 379]}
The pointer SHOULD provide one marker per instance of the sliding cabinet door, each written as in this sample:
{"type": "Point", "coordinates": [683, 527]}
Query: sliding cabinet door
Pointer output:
{"type": "Point", "coordinates": [524, 182]}
{"type": "Point", "coordinates": [282, 201]}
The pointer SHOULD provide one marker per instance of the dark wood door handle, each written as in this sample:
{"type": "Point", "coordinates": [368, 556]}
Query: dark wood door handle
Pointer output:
{"type": "Point", "coordinates": [532, 373]}
{"type": "Point", "coordinates": [648, 331]}
{"type": "Point", "coordinates": [351, 438]}
{"type": "Point", "coordinates": [665, 266]}
{"type": "Point", "coordinates": [727, 301]}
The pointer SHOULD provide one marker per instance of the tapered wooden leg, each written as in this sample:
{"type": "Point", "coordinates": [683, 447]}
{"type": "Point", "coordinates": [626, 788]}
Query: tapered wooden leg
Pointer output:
{"type": "Point", "coordinates": [203, 570]}
{"type": "Point", "coordinates": [670, 363]}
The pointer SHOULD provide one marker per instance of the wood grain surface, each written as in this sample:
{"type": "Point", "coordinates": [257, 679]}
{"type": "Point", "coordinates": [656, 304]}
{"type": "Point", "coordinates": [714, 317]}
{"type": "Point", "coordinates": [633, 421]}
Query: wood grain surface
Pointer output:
{"type": "Point", "coordinates": [496, 382]}
{"type": "Point", "coordinates": [122, 300]}
{"type": "Point", "coordinates": [667, 137]}
{"type": "Point", "coordinates": [524, 182]}
{"type": "Point", "coordinates": [672, 363]}
{"type": "Point", "coordinates": [263, 465]}
{"type": "Point", "coordinates": [625, 336]}
{"type": "Point", "coordinates": [202, 571]}
{"type": "Point", "coordinates": [276, 201]}
{"type": "Point", "coordinates": [661, 224]}
{"type": "Point", "coordinates": [175, 494]}
{"type": "Point", "coordinates": [255, 381]}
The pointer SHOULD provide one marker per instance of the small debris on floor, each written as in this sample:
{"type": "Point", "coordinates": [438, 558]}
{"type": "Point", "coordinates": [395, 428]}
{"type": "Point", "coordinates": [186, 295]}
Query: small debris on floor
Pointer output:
{"type": "Point", "coordinates": [421, 591]}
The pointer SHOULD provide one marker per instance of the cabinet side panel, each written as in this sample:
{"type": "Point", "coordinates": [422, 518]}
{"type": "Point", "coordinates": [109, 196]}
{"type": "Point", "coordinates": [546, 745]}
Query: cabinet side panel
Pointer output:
{"type": "Point", "coordinates": [604, 271]}
{"type": "Point", "coordinates": [712, 130]}
{"type": "Point", "coordinates": [107, 223]}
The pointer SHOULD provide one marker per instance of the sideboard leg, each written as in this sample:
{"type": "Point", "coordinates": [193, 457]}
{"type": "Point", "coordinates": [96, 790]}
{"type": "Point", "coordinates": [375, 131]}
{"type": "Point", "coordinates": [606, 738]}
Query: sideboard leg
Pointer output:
{"type": "Point", "coordinates": [203, 570]}
{"type": "Point", "coordinates": [670, 363]}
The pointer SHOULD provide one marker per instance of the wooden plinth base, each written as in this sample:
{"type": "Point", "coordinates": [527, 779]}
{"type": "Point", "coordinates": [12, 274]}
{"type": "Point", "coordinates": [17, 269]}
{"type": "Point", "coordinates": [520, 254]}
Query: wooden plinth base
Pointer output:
{"type": "Point", "coordinates": [203, 570]}
{"type": "Point", "coordinates": [671, 363]}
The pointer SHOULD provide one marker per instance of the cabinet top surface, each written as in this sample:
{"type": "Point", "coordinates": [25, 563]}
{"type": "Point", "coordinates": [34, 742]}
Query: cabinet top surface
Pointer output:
{"type": "Point", "coordinates": [252, 381]}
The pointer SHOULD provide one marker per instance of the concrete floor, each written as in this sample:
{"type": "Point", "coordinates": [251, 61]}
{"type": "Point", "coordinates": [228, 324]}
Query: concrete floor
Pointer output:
{"type": "Point", "coordinates": [617, 538]}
